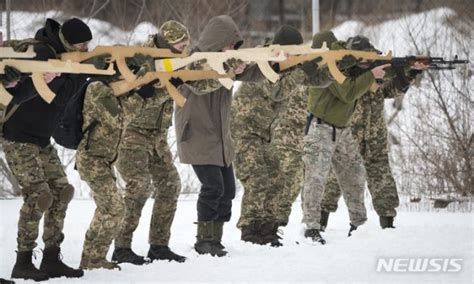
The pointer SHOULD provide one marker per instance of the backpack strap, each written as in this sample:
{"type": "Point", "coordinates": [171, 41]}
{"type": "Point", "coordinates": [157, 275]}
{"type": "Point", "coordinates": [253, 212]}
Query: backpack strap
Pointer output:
{"type": "Point", "coordinates": [6, 115]}
{"type": "Point", "coordinates": [90, 128]}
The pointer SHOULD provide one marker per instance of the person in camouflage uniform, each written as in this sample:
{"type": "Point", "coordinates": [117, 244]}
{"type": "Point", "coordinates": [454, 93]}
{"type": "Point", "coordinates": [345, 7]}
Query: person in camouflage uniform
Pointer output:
{"type": "Point", "coordinates": [370, 132]}
{"type": "Point", "coordinates": [329, 142]}
{"type": "Point", "coordinates": [33, 160]}
{"type": "Point", "coordinates": [104, 121]}
{"type": "Point", "coordinates": [145, 162]}
{"type": "Point", "coordinates": [268, 126]}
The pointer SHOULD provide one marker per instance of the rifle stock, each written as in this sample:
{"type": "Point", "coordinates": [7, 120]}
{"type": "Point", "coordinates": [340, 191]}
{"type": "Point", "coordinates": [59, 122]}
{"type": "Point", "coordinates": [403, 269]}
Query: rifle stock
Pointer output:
{"type": "Point", "coordinates": [118, 54]}
{"type": "Point", "coordinates": [216, 61]}
{"type": "Point", "coordinates": [9, 52]}
{"type": "Point", "coordinates": [123, 86]}
{"type": "Point", "coordinates": [37, 68]}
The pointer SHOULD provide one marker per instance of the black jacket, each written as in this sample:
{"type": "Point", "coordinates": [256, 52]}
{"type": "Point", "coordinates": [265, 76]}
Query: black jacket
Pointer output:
{"type": "Point", "coordinates": [35, 120]}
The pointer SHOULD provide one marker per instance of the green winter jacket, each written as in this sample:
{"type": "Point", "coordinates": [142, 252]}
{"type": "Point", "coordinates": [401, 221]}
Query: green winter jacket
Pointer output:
{"type": "Point", "coordinates": [336, 103]}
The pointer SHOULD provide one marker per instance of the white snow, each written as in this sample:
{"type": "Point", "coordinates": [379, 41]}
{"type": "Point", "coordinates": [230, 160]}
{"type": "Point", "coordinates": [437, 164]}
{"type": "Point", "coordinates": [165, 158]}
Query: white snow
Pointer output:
{"type": "Point", "coordinates": [342, 259]}
{"type": "Point", "coordinates": [418, 235]}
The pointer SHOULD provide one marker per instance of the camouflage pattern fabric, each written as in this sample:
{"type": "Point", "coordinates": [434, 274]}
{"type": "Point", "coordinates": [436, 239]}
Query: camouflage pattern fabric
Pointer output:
{"type": "Point", "coordinates": [253, 113]}
{"type": "Point", "coordinates": [287, 140]}
{"type": "Point", "coordinates": [94, 160]}
{"type": "Point", "coordinates": [202, 86]}
{"type": "Point", "coordinates": [174, 32]}
{"type": "Point", "coordinates": [370, 132]}
{"type": "Point", "coordinates": [268, 127]}
{"type": "Point", "coordinates": [145, 163]}
{"type": "Point", "coordinates": [45, 190]}
{"type": "Point", "coordinates": [320, 153]}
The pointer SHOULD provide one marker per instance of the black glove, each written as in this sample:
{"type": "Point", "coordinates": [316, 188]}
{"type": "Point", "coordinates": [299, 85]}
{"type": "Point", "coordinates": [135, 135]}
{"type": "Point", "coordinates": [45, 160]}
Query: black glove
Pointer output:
{"type": "Point", "coordinates": [401, 81]}
{"type": "Point", "coordinates": [176, 81]}
{"type": "Point", "coordinates": [347, 62]}
{"type": "Point", "coordinates": [142, 60]}
{"type": "Point", "coordinates": [310, 67]}
{"type": "Point", "coordinates": [11, 75]}
{"type": "Point", "coordinates": [99, 61]}
{"type": "Point", "coordinates": [148, 90]}
{"type": "Point", "coordinates": [276, 67]}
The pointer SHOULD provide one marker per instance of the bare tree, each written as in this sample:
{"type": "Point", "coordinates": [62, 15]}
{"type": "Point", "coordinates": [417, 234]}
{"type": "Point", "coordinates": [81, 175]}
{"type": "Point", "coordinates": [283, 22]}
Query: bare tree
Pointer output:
{"type": "Point", "coordinates": [437, 155]}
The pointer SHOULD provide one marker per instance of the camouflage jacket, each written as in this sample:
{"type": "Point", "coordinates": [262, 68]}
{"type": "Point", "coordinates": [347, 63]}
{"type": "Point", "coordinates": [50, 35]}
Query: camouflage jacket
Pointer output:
{"type": "Point", "coordinates": [152, 117]}
{"type": "Point", "coordinates": [288, 131]}
{"type": "Point", "coordinates": [274, 112]}
{"type": "Point", "coordinates": [106, 112]}
{"type": "Point", "coordinates": [254, 111]}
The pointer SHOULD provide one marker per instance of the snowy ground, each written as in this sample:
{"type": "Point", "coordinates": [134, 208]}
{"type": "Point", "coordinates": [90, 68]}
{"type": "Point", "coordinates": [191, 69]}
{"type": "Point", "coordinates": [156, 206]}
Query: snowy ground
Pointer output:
{"type": "Point", "coordinates": [418, 235]}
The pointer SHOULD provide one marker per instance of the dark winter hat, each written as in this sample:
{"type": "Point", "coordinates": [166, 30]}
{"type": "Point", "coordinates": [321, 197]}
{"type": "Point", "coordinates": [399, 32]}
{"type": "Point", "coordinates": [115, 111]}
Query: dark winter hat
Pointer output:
{"type": "Point", "coordinates": [326, 36]}
{"type": "Point", "coordinates": [76, 31]}
{"type": "Point", "coordinates": [287, 35]}
{"type": "Point", "coordinates": [360, 42]}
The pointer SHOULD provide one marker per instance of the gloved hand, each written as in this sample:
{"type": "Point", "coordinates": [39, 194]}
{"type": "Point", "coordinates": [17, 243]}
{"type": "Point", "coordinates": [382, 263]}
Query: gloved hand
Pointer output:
{"type": "Point", "coordinates": [347, 62]}
{"type": "Point", "coordinates": [400, 81]}
{"type": "Point", "coordinates": [309, 67]}
{"type": "Point", "coordinates": [142, 60]}
{"type": "Point", "coordinates": [176, 81]}
{"type": "Point", "coordinates": [148, 90]}
{"type": "Point", "coordinates": [99, 61]}
{"type": "Point", "coordinates": [276, 67]}
{"type": "Point", "coordinates": [233, 63]}
{"type": "Point", "coordinates": [11, 75]}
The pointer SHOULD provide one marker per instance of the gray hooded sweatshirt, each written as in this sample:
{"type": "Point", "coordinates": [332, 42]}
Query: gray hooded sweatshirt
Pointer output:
{"type": "Point", "coordinates": [203, 123]}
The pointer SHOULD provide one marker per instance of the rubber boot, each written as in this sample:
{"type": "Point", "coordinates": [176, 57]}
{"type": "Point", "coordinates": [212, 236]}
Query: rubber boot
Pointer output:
{"type": "Point", "coordinates": [206, 241]}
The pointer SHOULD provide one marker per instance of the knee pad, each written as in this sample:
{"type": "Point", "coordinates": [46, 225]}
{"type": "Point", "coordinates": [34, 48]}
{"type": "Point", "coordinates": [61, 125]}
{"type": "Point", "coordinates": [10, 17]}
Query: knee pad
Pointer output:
{"type": "Point", "coordinates": [66, 194]}
{"type": "Point", "coordinates": [44, 201]}
{"type": "Point", "coordinates": [38, 195]}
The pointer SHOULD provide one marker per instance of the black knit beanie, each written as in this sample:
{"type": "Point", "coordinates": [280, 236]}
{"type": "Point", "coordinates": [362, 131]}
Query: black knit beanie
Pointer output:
{"type": "Point", "coordinates": [287, 35]}
{"type": "Point", "coordinates": [76, 31]}
{"type": "Point", "coordinates": [324, 36]}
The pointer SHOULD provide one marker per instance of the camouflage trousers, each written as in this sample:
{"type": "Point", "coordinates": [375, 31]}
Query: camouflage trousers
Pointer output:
{"type": "Point", "coordinates": [257, 168]}
{"type": "Point", "coordinates": [382, 187]}
{"type": "Point", "coordinates": [45, 191]}
{"type": "Point", "coordinates": [289, 181]}
{"type": "Point", "coordinates": [320, 153]}
{"type": "Point", "coordinates": [108, 215]}
{"type": "Point", "coordinates": [148, 172]}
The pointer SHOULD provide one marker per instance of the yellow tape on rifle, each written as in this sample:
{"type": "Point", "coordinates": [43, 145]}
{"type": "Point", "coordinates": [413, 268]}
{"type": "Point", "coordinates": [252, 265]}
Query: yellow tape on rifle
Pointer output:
{"type": "Point", "coordinates": [167, 64]}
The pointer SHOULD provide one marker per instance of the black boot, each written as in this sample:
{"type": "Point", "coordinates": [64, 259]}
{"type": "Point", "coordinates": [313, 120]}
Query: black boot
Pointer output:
{"type": "Point", "coordinates": [5, 281]}
{"type": "Point", "coordinates": [206, 242]}
{"type": "Point", "coordinates": [164, 252]}
{"type": "Point", "coordinates": [386, 222]}
{"type": "Point", "coordinates": [126, 255]}
{"type": "Point", "coordinates": [270, 235]}
{"type": "Point", "coordinates": [323, 222]}
{"type": "Point", "coordinates": [52, 265]}
{"type": "Point", "coordinates": [351, 229]}
{"type": "Point", "coordinates": [252, 233]}
{"type": "Point", "coordinates": [315, 236]}
{"type": "Point", "coordinates": [24, 268]}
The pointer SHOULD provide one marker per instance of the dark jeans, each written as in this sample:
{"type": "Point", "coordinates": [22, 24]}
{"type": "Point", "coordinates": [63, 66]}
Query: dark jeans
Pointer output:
{"type": "Point", "coordinates": [217, 191]}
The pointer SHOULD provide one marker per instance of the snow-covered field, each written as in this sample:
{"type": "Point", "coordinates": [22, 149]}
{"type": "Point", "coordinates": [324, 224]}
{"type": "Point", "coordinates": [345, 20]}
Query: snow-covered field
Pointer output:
{"type": "Point", "coordinates": [418, 235]}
